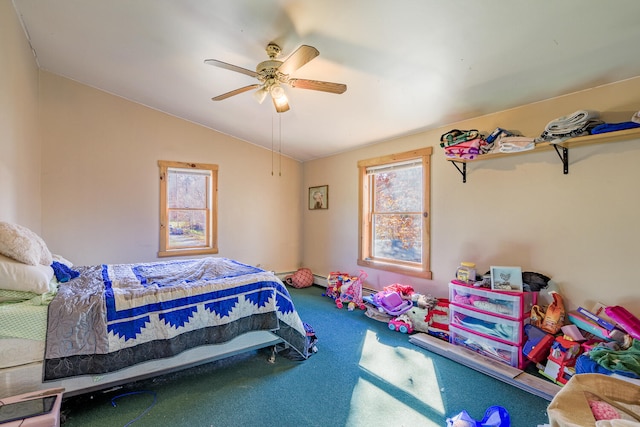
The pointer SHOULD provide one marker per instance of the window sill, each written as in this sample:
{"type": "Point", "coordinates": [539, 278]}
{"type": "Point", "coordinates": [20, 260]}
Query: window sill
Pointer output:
{"type": "Point", "coordinates": [393, 268]}
{"type": "Point", "coordinates": [187, 252]}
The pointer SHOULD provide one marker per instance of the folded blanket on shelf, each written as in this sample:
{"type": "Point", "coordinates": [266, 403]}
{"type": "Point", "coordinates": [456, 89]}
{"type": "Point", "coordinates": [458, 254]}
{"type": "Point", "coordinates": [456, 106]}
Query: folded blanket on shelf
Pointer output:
{"type": "Point", "coordinates": [570, 126]}
{"type": "Point", "coordinates": [613, 127]}
{"type": "Point", "coordinates": [513, 144]}
{"type": "Point", "coordinates": [464, 150]}
{"type": "Point", "coordinates": [455, 137]}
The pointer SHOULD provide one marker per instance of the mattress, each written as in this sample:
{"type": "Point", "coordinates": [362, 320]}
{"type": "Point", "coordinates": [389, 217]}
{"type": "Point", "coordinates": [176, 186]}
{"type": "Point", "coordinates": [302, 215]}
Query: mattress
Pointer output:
{"type": "Point", "coordinates": [23, 327]}
{"type": "Point", "coordinates": [24, 314]}
{"type": "Point", "coordinates": [19, 351]}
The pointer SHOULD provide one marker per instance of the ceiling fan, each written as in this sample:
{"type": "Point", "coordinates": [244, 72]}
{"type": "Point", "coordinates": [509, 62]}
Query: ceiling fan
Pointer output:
{"type": "Point", "coordinates": [273, 74]}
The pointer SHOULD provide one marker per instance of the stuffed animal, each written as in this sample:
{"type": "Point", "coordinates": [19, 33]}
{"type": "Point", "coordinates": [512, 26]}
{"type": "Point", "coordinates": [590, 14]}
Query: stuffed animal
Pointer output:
{"type": "Point", "coordinates": [417, 317]}
{"type": "Point", "coordinates": [426, 301]}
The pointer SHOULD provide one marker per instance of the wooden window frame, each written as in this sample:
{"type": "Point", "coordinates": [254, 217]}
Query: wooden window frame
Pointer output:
{"type": "Point", "coordinates": [212, 211]}
{"type": "Point", "coordinates": [365, 238]}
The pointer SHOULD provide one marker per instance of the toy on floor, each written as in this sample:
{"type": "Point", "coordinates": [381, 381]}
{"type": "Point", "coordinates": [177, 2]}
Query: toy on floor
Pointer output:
{"type": "Point", "coordinates": [626, 320]}
{"type": "Point", "coordinates": [562, 357]}
{"type": "Point", "coordinates": [392, 303]}
{"type": "Point", "coordinates": [418, 318]}
{"type": "Point", "coordinates": [346, 289]}
{"type": "Point", "coordinates": [495, 416]}
{"type": "Point", "coordinates": [412, 320]}
{"type": "Point", "coordinates": [438, 320]}
{"type": "Point", "coordinates": [401, 324]}
{"type": "Point", "coordinates": [538, 344]}
{"type": "Point", "coordinates": [425, 301]}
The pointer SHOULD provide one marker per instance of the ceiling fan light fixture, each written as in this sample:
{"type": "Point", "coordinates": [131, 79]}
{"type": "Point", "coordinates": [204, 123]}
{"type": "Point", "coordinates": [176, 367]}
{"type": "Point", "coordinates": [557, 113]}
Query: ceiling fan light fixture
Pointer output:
{"type": "Point", "coordinates": [273, 74]}
{"type": "Point", "coordinates": [281, 101]}
{"type": "Point", "coordinates": [260, 95]}
{"type": "Point", "coordinates": [277, 92]}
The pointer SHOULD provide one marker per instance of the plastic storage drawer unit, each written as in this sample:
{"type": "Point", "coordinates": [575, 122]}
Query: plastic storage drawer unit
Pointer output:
{"type": "Point", "coordinates": [495, 327]}
{"type": "Point", "coordinates": [505, 353]}
{"type": "Point", "coordinates": [514, 305]}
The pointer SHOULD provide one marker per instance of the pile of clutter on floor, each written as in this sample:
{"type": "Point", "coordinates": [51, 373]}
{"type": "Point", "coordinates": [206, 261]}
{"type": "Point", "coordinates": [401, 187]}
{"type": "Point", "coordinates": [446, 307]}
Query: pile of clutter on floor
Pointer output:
{"type": "Point", "coordinates": [603, 339]}
{"type": "Point", "coordinates": [558, 343]}
{"type": "Point", "coordinates": [404, 310]}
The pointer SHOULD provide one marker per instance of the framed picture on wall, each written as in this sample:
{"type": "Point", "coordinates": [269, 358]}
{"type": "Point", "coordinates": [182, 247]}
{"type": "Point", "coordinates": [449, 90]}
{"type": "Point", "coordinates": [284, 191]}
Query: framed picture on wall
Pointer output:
{"type": "Point", "coordinates": [506, 278]}
{"type": "Point", "coordinates": [319, 197]}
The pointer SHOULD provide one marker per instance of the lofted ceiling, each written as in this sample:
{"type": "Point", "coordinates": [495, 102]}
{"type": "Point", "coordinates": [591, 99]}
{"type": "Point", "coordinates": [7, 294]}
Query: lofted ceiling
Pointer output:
{"type": "Point", "coordinates": [409, 65]}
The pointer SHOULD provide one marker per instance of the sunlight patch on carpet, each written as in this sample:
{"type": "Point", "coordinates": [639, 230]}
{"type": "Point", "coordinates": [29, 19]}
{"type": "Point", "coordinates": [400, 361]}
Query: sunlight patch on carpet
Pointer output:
{"type": "Point", "coordinates": [417, 378]}
{"type": "Point", "coordinates": [370, 404]}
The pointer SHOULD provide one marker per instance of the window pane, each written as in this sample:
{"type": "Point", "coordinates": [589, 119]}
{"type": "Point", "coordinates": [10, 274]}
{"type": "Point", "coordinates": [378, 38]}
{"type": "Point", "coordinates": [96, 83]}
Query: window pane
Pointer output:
{"type": "Point", "coordinates": [187, 228]}
{"type": "Point", "coordinates": [187, 190]}
{"type": "Point", "coordinates": [398, 191]}
{"type": "Point", "coordinates": [397, 237]}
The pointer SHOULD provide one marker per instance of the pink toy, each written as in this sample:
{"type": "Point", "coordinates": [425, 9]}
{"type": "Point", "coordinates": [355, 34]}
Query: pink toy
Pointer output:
{"type": "Point", "coordinates": [626, 320]}
{"type": "Point", "coordinates": [346, 289]}
{"type": "Point", "coordinates": [401, 324]}
{"type": "Point", "coordinates": [392, 303]}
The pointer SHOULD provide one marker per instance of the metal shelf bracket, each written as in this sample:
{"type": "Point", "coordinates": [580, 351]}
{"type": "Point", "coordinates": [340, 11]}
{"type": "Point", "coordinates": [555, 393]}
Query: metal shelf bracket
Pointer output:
{"type": "Point", "coordinates": [564, 157]}
{"type": "Point", "coordinates": [462, 171]}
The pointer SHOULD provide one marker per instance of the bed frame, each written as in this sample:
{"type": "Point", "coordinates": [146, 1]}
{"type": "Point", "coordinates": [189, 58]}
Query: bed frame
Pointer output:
{"type": "Point", "coordinates": [28, 378]}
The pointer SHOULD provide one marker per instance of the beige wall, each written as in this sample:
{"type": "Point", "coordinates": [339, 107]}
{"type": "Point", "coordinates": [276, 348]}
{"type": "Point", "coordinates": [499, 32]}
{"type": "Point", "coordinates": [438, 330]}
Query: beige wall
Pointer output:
{"type": "Point", "coordinates": [98, 201]}
{"type": "Point", "coordinates": [580, 229]}
{"type": "Point", "coordinates": [100, 194]}
{"type": "Point", "coordinates": [19, 145]}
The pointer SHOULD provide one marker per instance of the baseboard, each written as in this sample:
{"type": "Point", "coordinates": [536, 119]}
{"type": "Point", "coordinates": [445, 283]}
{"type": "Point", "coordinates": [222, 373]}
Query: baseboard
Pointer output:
{"type": "Point", "coordinates": [322, 282]}
{"type": "Point", "coordinates": [510, 375]}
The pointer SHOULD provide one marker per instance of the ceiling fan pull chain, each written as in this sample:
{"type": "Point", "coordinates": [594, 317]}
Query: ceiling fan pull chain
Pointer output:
{"type": "Point", "coordinates": [280, 146]}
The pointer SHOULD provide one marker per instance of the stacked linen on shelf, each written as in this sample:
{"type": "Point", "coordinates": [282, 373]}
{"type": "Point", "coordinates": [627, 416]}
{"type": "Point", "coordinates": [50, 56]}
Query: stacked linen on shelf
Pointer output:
{"type": "Point", "coordinates": [565, 127]}
{"type": "Point", "coordinates": [614, 127]}
{"type": "Point", "coordinates": [464, 150]}
{"type": "Point", "coordinates": [514, 144]}
{"type": "Point", "coordinates": [505, 141]}
{"type": "Point", "coordinates": [464, 144]}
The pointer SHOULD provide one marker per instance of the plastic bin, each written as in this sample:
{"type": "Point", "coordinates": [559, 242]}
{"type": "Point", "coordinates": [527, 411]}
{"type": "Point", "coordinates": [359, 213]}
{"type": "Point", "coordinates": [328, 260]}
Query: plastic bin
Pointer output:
{"type": "Point", "coordinates": [514, 305]}
{"type": "Point", "coordinates": [501, 352]}
{"type": "Point", "coordinates": [498, 328]}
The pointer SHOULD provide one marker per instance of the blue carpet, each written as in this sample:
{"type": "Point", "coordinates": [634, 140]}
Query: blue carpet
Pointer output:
{"type": "Point", "coordinates": [363, 375]}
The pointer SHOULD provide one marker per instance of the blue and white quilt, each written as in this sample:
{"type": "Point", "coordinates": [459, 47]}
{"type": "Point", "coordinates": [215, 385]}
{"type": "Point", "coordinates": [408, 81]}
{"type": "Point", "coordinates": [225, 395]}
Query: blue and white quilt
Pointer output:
{"type": "Point", "coordinates": [114, 316]}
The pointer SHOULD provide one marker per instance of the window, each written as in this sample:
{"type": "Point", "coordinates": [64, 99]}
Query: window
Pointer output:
{"type": "Point", "coordinates": [394, 213]}
{"type": "Point", "coordinates": [188, 208]}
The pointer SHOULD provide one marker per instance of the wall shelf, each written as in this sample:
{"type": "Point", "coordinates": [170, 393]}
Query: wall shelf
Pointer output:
{"type": "Point", "coordinates": [562, 149]}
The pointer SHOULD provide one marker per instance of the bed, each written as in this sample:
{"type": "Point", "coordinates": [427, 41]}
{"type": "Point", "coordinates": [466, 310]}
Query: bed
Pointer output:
{"type": "Point", "coordinates": [116, 323]}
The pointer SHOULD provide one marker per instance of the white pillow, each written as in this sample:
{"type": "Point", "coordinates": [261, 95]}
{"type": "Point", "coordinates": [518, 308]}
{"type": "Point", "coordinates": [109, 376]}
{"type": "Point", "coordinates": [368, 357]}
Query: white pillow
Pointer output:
{"type": "Point", "coordinates": [17, 276]}
{"type": "Point", "coordinates": [23, 245]}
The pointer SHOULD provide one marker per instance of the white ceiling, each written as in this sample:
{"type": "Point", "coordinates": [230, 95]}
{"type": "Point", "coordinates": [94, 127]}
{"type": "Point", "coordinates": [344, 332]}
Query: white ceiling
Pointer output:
{"type": "Point", "coordinates": [409, 65]}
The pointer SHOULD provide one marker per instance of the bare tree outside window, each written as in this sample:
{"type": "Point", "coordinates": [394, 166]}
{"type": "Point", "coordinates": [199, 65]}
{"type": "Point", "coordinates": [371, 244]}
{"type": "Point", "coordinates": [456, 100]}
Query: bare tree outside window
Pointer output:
{"type": "Point", "coordinates": [188, 196]}
{"type": "Point", "coordinates": [394, 213]}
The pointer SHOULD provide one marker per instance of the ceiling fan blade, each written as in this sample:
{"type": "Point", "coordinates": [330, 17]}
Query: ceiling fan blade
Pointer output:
{"type": "Point", "coordinates": [226, 66]}
{"type": "Point", "coordinates": [318, 85]}
{"type": "Point", "coordinates": [281, 105]}
{"type": "Point", "coordinates": [235, 92]}
{"type": "Point", "coordinates": [298, 58]}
